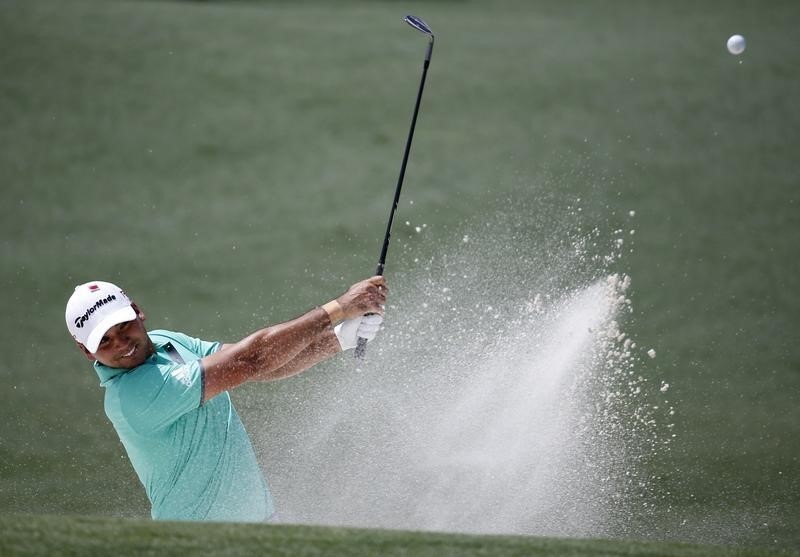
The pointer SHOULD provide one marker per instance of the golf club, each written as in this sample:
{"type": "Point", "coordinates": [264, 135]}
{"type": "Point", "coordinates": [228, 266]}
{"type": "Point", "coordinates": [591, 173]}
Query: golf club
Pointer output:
{"type": "Point", "coordinates": [421, 26]}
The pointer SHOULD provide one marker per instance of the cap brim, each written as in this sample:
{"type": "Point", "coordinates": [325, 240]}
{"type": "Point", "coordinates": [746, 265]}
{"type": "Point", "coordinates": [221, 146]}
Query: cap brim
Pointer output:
{"type": "Point", "coordinates": [119, 316]}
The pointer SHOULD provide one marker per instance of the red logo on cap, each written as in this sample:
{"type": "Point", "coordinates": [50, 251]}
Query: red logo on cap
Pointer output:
{"type": "Point", "coordinates": [93, 288]}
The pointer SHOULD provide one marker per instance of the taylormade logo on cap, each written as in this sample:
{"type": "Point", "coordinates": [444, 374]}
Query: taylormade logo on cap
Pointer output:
{"type": "Point", "coordinates": [93, 309]}
{"type": "Point", "coordinates": [85, 317]}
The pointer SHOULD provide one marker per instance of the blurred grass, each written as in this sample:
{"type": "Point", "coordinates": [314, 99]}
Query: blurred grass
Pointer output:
{"type": "Point", "coordinates": [48, 535]}
{"type": "Point", "coordinates": [232, 164]}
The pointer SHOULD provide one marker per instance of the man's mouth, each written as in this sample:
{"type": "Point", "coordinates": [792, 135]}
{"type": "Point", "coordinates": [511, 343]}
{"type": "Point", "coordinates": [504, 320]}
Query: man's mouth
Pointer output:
{"type": "Point", "coordinates": [130, 352]}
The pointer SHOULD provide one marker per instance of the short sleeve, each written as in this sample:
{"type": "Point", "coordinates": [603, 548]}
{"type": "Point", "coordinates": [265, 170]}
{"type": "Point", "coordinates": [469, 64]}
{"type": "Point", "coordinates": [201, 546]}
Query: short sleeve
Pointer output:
{"type": "Point", "coordinates": [200, 347]}
{"type": "Point", "coordinates": [154, 396]}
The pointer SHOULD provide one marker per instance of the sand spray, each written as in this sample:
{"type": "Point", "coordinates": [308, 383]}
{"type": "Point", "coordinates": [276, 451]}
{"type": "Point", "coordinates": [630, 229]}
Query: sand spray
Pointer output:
{"type": "Point", "coordinates": [503, 396]}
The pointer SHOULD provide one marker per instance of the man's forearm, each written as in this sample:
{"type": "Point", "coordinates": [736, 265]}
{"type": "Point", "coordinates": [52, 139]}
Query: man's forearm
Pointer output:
{"type": "Point", "coordinates": [321, 349]}
{"type": "Point", "coordinates": [288, 348]}
{"type": "Point", "coordinates": [263, 352]}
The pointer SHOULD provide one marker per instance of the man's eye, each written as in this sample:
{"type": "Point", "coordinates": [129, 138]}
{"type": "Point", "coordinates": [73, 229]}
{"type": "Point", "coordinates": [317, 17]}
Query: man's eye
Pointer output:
{"type": "Point", "coordinates": [103, 341]}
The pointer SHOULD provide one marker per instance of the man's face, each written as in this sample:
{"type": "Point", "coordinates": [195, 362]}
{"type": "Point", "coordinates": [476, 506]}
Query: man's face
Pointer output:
{"type": "Point", "coordinates": [125, 345]}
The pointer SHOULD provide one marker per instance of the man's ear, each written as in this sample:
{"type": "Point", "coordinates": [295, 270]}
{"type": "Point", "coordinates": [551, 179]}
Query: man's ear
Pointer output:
{"type": "Point", "coordinates": [86, 352]}
{"type": "Point", "coordinates": [139, 312]}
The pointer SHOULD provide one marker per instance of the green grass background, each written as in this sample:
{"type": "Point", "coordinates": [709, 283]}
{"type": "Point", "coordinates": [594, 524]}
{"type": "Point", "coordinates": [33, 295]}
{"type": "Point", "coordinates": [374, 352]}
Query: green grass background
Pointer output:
{"type": "Point", "coordinates": [232, 164]}
{"type": "Point", "coordinates": [94, 536]}
{"type": "Point", "coordinates": [23, 535]}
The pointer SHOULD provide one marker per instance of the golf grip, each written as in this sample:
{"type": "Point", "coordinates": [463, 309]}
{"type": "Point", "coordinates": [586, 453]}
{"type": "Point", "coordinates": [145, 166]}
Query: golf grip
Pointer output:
{"type": "Point", "coordinates": [361, 348]}
{"type": "Point", "coordinates": [361, 345]}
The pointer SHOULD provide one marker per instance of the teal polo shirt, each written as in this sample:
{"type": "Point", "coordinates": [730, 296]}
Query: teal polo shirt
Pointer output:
{"type": "Point", "coordinates": [194, 459]}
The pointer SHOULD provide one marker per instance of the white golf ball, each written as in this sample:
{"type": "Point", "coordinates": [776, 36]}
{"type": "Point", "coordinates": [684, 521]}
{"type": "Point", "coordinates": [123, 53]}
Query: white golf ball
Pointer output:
{"type": "Point", "coordinates": [736, 44]}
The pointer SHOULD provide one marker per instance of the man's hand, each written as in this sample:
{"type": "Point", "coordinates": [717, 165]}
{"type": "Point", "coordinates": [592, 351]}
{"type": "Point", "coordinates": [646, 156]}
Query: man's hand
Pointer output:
{"type": "Point", "coordinates": [348, 332]}
{"type": "Point", "coordinates": [367, 296]}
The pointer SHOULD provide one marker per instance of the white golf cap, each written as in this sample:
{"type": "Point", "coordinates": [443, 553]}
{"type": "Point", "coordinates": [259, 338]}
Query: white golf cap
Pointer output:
{"type": "Point", "coordinates": [93, 309]}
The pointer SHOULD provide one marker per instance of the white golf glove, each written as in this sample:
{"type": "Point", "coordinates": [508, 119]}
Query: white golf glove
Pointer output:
{"type": "Point", "coordinates": [348, 332]}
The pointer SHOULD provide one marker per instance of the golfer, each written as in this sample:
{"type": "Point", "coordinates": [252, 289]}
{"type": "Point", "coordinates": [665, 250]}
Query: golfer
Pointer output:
{"type": "Point", "coordinates": [167, 393]}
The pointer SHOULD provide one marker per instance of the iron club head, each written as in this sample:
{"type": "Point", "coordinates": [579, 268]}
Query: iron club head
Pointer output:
{"type": "Point", "coordinates": [419, 25]}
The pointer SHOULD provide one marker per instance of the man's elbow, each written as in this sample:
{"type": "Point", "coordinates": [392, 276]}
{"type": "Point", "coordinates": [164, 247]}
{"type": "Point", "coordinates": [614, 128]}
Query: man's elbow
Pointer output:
{"type": "Point", "coordinates": [260, 352]}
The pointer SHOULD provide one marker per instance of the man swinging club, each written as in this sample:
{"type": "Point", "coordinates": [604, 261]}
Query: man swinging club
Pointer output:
{"type": "Point", "coordinates": [167, 393]}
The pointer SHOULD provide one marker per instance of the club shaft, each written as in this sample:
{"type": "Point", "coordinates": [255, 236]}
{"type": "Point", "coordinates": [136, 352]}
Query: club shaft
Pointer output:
{"type": "Point", "coordinates": [406, 153]}
{"type": "Point", "coordinates": [361, 347]}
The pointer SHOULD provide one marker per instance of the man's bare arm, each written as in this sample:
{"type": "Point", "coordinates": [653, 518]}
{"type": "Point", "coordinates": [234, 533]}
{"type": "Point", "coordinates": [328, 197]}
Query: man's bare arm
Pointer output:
{"type": "Point", "coordinates": [322, 349]}
{"type": "Point", "coordinates": [266, 351]}
{"type": "Point", "coordinates": [262, 352]}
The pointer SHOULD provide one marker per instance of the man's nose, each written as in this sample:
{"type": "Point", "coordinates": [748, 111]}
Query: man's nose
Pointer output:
{"type": "Point", "coordinates": [119, 341]}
